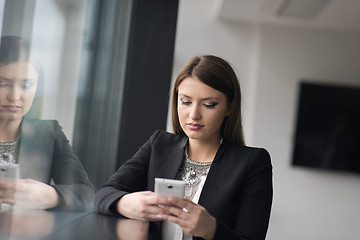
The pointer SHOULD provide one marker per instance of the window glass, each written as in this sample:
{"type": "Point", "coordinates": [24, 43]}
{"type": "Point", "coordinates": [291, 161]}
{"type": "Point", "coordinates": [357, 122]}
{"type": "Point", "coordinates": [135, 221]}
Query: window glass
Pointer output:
{"type": "Point", "coordinates": [74, 117]}
{"type": "Point", "coordinates": [2, 3]}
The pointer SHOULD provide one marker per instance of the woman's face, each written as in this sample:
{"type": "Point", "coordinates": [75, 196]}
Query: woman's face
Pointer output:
{"type": "Point", "coordinates": [201, 110]}
{"type": "Point", "coordinates": [18, 84]}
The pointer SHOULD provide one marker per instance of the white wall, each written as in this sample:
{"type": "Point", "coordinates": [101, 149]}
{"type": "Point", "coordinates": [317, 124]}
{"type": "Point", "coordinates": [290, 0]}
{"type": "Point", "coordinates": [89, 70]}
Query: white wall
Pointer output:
{"type": "Point", "coordinates": [270, 60]}
{"type": "Point", "coordinates": [308, 204]}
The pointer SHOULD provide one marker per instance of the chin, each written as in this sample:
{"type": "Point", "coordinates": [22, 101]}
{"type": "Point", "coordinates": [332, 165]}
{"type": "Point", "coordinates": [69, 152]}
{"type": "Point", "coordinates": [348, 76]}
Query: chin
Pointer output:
{"type": "Point", "coordinates": [11, 117]}
{"type": "Point", "coordinates": [194, 135]}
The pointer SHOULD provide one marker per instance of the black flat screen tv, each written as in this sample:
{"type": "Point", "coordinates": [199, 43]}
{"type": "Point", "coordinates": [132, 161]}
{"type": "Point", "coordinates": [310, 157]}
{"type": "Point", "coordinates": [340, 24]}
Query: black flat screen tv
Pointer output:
{"type": "Point", "coordinates": [327, 133]}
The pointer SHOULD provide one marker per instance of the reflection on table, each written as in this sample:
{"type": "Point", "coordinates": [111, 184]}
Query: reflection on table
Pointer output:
{"type": "Point", "coordinates": [19, 224]}
{"type": "Point", "coordinates": [27, 224]}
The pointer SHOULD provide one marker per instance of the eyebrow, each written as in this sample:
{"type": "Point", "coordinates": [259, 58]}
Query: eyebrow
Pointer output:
{"type": "Point", "coordinates": [205, 99]}
{"type": "Point", "coordinates": [10, 79]}
{"type": "Point", "coordinates": [29, 79]}
{"type": "Point", "coordinates": [4, 78]}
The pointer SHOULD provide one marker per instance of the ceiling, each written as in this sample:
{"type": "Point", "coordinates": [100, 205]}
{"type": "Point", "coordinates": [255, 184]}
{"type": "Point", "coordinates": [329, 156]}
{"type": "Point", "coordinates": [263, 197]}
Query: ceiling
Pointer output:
{"type": "Point", "coordinates": [330, 14]}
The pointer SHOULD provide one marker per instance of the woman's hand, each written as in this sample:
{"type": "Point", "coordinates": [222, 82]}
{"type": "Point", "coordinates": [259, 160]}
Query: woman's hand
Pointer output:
{"type": "Point", "coordinates": [191, 217]}
{"type": "Point", "coordinates": [28, 193]}
{"type": "Point", "coordinates": [140, 205]}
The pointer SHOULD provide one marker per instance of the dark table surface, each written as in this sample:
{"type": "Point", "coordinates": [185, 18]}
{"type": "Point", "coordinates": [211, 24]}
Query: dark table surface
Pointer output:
{"type": "Point", "coordinates": [53, 225]}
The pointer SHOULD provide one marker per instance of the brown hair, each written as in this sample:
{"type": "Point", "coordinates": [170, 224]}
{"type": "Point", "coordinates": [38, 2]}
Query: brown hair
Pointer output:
{"type": "Point", "coordinates": [218, 74]}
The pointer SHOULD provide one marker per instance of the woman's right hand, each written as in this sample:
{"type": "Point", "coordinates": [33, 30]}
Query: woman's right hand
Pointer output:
{"type": "Point", "coordinates": [28, 193]}
{"type": "Point", "coordinates": [140, 205]}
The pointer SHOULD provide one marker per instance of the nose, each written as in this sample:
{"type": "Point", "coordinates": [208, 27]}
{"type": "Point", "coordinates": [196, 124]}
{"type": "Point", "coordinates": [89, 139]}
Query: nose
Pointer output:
{"type": "Point", "coordinates": [195, 112]}
{"type": "Point", "coordinates": [14, 93]}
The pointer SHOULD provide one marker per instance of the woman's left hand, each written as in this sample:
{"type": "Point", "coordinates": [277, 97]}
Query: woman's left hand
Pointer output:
{"type": "Point", "coordinates": [191, 217]}
{"type": "Point", "coordinates": [28, 193]}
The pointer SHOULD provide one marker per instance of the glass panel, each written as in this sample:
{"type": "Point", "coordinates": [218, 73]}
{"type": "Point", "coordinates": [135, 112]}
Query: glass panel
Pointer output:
{"type": "Point", "coordinates": [2, 3]}
{"type": "Point", "coordinates": [75, 61]}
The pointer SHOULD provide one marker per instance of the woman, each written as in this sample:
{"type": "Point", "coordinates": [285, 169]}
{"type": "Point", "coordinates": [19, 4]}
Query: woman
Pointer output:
{"type": "Point", "coordinates": [228, 185]}
{"type": "Point", "coordinates": [38, 148]}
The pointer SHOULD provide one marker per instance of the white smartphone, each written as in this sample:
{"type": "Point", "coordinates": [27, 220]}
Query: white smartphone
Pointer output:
{"type": "Point", "coordinates": [169, 187]}
{"type": "Point", "coordinates": [8, 171]}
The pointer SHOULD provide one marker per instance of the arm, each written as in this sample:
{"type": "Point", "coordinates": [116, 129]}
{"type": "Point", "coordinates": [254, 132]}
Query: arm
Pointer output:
{"type": "Point", "coordinates": [71, 181]}
{"type": "Point", "coordinates": [46, 154]}
{"type": "Point", "coordinates": [28, 193]}
{"type": "Point", "coordinates": [130, 177]}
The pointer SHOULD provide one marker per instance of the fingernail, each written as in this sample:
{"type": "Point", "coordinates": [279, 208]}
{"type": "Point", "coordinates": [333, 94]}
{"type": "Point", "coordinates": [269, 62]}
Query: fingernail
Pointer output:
{"type": "Point", "coordinates": [159, 216]}
{"type": "Point", "coordinates": [170, 199]}
{"type": "Point", "coordinates": [161, 206]}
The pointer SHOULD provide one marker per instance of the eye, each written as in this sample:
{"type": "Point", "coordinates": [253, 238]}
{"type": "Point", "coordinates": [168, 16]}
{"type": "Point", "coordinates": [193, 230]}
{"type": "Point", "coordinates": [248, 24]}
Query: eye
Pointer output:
{"type": "Point", "coordinates": [3, 83]}
{"type": "Point", "coordinates": [27, 84]}
{"type": "Point", "coordinates": [210, 105]}
{"type": "Point", "coordinates": [185, 102]}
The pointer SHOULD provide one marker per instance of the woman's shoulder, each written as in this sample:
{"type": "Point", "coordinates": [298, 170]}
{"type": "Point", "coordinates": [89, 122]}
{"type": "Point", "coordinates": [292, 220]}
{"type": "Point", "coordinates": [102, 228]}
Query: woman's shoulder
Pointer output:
{"type": "Point", "coordinates": [244, 148]}
{"type": "Point", "coordinates": [37, 125]}
{"type": "Point", "coordinates": [167, 138]}
{"type": "Point", "coordinates": [249, 153]}
{"type": "Point", "coordinates": [40, 123]}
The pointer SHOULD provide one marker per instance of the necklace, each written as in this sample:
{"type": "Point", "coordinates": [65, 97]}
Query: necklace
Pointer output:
{"type": "Point", "coordinates": [196, 168]}
{"type": "Point", "coordinates": [191, 172]}
{"type": "Point", "coordinates": [8, 151]}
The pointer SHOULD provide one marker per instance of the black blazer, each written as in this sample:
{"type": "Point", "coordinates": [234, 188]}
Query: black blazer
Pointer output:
{"type": "Point", "coordinates": [237, 191]}
{"type": "Point", "coordinates": [45, 155]}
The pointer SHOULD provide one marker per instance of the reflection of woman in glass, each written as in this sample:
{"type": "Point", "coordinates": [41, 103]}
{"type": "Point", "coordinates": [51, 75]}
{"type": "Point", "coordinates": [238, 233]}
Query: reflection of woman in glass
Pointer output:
{"type": "Point", "coordinates": [50, 174]}
{"type": "Point", "coordinates": [228, 185]}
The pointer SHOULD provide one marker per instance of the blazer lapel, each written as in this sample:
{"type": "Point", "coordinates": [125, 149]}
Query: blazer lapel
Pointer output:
{"type": "Point", "coordinates": [35, 153]}
{"type": "Point", "coordinates": [212, 184]}
{"type": "Point", "coordinates": [167, 162]}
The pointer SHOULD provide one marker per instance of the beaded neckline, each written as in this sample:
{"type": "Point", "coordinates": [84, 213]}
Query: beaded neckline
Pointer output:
{"type": "Point", "coordinates": [191, 173]}
{"type": "Point", "coordinates": [8, 151]}
{"type": "Point", "coordinates": [196, 163]}
{"type": "Point", "coordinates": [10, 143]}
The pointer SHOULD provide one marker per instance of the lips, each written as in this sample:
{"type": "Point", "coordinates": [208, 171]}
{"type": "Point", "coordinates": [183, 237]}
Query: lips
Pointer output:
{"type": "Point", "coordinates": [12, 108]}
{"type": "Point", "coordinates": [195, 126]}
